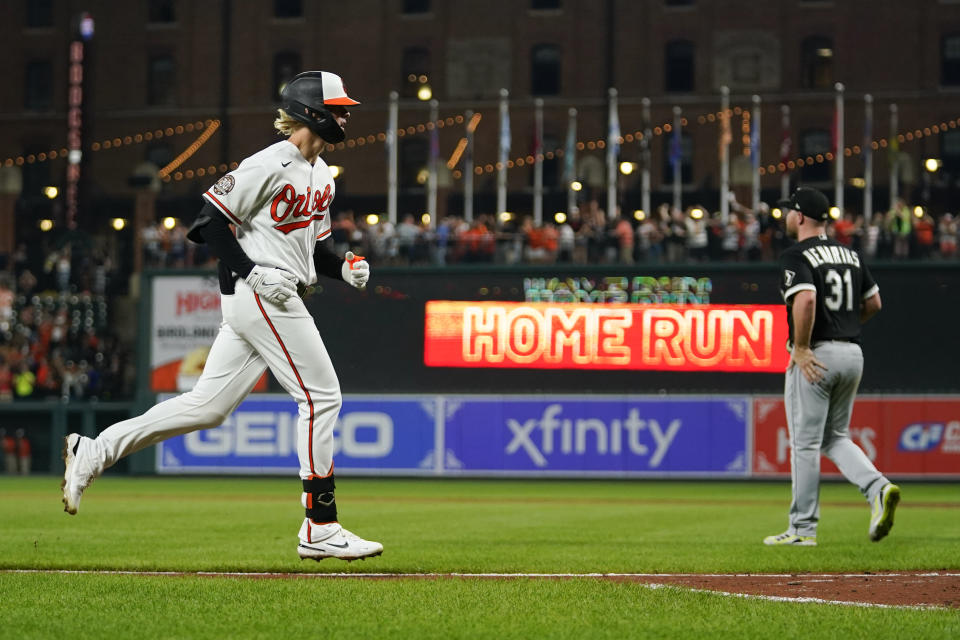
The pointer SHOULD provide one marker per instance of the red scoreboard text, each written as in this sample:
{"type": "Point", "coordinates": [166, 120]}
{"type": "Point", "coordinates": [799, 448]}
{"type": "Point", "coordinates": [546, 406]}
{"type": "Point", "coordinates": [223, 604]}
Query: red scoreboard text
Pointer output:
{"type": "Point", "coordinates": [535, 335]}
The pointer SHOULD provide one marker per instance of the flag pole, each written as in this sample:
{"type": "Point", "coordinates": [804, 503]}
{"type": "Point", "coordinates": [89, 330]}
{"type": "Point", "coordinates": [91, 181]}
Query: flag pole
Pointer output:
{"type": "Point", "coordinates": [894, 157]}
{"type": "Point", "coordinates": [645, 158]}
{"type": "Point", "coordinates": [838, 152]}
{"type": "Point", "coordinates": [613, 134]}
{"type": "Point", "coordinates": [432, 164]}
{"type": "Point", "coordinates": [785, 147]}
{"type": "Point", "coordinates": [503, 152]}
{"type": "Point", "coordinates": [677, 158]}
{"type": "Point", "coordinates": [392, 158]}
{"type": "Point", "coordinates": [724, 153]}
{"type": "Point", "coordinates": [868, 159]}
{"type": "Point", "coordinates": [468, 170]}
{"type": "Point", "coordinates": [538, 163]}
{"type": "Point", "coordinates": [570, 160]}
{"type": "Point", "coordinates": [755, 153]}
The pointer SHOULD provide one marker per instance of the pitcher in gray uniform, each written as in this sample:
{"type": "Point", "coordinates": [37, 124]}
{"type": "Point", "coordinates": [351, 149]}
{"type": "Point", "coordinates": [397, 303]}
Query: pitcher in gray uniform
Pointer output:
{"type": "Point", "coordinates": [829, 294]}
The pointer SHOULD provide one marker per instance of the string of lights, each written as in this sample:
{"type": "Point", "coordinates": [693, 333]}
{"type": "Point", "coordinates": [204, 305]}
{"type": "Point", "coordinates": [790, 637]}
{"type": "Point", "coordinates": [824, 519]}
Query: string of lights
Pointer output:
{"type": "Point", "coordinates": [192, 149]}
{"type": "Point", "coordinates": [110, 143]}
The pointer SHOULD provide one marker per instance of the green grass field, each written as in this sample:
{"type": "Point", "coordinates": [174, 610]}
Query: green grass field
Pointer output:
{"type": "Point", "coordinates": [464, 526]}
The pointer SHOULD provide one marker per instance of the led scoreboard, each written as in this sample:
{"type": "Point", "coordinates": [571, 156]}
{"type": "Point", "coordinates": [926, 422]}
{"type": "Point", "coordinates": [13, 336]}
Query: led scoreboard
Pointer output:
{"type": "Point", "coordinates": [538, 335]}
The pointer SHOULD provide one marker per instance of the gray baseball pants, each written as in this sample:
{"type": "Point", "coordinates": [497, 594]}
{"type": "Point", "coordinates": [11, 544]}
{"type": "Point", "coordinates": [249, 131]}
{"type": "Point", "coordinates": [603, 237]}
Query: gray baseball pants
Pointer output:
{"type": "Point", "coordinates": [818, 419]}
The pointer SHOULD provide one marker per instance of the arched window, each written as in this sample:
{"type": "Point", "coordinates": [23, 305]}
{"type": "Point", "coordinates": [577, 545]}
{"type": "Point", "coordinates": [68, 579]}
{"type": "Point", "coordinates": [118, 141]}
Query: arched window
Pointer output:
{"type": "Point", "coordinates": [415, 70]}
{"type": "Point", "coordinates": [286, 64]}
{"type": "Point", "coordinates": [545, 70]}
{"type": "Point", "coordinates": [816, 56]}
{"type": "Point", "coordinates": [678, 67]}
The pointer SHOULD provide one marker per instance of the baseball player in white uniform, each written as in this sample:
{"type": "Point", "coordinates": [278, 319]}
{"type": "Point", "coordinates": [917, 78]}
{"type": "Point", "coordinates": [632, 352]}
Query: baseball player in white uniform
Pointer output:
{"type": "Point", "coordinates": [278, 201]}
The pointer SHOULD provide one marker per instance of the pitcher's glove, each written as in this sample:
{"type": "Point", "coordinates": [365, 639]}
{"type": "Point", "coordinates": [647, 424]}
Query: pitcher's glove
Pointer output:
{"type": "Point", "coordinates": [355, 270]}
{"type": "Point", "coordinates": [272, 283]}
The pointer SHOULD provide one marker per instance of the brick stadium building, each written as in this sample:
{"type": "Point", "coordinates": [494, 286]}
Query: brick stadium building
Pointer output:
{"type": "Point", "coordinates": [170, 66]}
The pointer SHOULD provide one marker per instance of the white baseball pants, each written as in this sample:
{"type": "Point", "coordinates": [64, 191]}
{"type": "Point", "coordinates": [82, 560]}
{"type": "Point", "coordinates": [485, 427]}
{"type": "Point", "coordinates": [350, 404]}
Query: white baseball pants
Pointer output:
{"type": "Point", "coordinates": [818, 419]}
{"type": "Point", "coordinates": [255, 334]}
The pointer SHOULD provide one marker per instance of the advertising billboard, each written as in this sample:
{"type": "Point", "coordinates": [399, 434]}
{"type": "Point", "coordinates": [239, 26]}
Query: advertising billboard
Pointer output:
{"type": "Point", "coordinates": [392, 435]}
{"type": "Point", "coordinates": [602, 436]}
{"type": "Point", "coordinates": [902, 435]}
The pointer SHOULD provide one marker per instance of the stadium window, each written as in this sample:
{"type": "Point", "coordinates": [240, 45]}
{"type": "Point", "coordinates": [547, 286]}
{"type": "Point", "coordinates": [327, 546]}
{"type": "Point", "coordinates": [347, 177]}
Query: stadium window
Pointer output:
{"type": "Point", "coordinates": [686, 158]}
{"type": "Point", "coordinates": [38, 89]}
{"type": "Point", "coordinates": [816, 56]}
{"type": "Point", "coordinates": [413, 156]}
{"type": "Point", "coordinates": [679, 3]}
{"type": "Point", "coordinates": [286, 64]}
{"type": "Point", "coordinates": [39, 13]}
{"type": "Point", "coordinates": [812, 143]}
{"type": "Point", "coordinates": [160, 11]}
{"type": "Point", "coordinates": [950, 60]}
{"type": "Point", "coordinates": [545, 70]}
{"type": "Point", "coordinates": [415, 66]}
{"type": "Point", "coordinates": [287, 8]}
{"type": "Point", "coordinates": [416, 6]}
{"type": "Point", "coordinates": [161, 77]}
{"type": "Point", "coordinates": [678, 69]}
{"type": "Point", "coordinates": [542, 5]}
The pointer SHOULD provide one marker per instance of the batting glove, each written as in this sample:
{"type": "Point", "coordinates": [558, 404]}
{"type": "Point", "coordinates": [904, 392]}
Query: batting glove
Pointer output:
{"type": "Point", "coordinates": [355, 270]}
{"type": "Point", "coordinates": [273, 284]}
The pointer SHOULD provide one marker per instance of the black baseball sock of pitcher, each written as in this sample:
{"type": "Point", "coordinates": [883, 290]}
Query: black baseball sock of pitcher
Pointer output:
{"type": "Point", "coordinates": [319, 500]}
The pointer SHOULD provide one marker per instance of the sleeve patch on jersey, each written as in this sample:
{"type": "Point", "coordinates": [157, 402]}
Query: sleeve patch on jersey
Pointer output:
{"type": "Point", "coordinates": [788, 277]}
{"type": "Point", "coordinates": [224, 185]}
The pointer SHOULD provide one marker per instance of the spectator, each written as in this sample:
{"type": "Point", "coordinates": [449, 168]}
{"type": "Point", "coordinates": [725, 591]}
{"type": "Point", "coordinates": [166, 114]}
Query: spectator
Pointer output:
{"type": "Point", "coordinates": [697, 238]}
{"type": "Point", "coordinates": [23, 453]}
{"type": "Point", "coordinates": [624, 234]}
{"type": "Point", "coordinates": [24, 382]}
{"type": "Point", "coordinates": [407, 235]}
{"type": "Point", "coordinates": [924, 232]}
{"type": "Point", "coordinates": [947, 235]}
{"type": "Point", "coordinates": [900, 223]}
{"type": "Point", "coordinates": [6, 382]}
{"type": "Point", "coordinates": [676, 236]}
{"type": "Point", "coordinates": [9, 452]}
{"type": "Point", "coordinates": [843, 229]}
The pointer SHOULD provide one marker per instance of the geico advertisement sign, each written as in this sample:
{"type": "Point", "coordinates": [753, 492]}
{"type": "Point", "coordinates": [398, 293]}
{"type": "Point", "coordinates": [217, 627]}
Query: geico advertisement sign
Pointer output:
{"type": "Point", "coordinates": [261, 437]}
{"type": "Point", "coordinates": [614, 336]}
{"type": "Point", "coordinates": [365, 434]}
{"type": "Point", "coordinates": [609, 435]}
{"type": "Point", "coordinates": [905, 435]}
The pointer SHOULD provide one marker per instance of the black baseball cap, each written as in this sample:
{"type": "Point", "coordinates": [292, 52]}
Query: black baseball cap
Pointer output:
{"type": "Point", "coordinates": [810, 202]}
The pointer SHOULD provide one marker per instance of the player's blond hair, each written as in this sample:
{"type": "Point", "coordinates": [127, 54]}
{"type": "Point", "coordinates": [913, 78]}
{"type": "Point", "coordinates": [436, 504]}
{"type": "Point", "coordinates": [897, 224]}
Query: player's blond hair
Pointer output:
{"type": "Point", "coordinates": [284, 124]}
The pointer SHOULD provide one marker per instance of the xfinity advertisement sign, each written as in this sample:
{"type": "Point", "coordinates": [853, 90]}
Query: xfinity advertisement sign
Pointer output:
{"type": "Point", "coordinates": [478, 435]}
{"type": "Point", "coordinates": [613, 436]}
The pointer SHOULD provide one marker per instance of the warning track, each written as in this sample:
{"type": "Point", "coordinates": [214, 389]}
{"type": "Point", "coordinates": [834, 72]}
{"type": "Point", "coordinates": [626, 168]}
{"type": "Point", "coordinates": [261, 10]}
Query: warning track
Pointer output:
{"type": "Point", "coordinates": [913, 590]}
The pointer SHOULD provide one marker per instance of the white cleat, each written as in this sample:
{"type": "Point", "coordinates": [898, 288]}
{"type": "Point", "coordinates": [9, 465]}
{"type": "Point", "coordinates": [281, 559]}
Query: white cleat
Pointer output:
{"type": "Point", "coordinates": [340, 544]}
{"type": "Point", "coordinates": [79, 471]}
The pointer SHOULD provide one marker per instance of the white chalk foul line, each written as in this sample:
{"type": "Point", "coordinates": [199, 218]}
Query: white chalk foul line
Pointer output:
{"type": "Point", "coordinates": [650, 585]}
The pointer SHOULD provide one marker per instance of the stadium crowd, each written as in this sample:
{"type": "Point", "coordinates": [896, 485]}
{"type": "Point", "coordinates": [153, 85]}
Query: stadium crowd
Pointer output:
{"type": "Point", "coordinates": [55, 338]}
{"type": "Point", "coordinates": [588, 237]}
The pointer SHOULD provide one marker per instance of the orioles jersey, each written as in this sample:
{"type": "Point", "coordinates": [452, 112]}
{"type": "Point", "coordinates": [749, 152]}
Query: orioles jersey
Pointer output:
{"type": "Point", "coordinates": [280, 206]}
{"type": "Point", "coordinates": [840, 280]}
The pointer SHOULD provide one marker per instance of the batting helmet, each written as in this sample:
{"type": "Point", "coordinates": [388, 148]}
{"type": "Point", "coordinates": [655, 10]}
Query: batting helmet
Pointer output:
{"type": "Point", "coordinates": [304, 98]}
